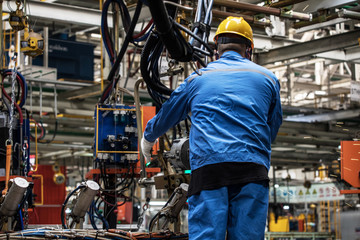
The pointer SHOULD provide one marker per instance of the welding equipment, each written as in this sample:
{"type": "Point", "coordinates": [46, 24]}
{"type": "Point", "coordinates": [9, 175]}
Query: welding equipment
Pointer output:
{"type": "Point", "coordinates": [179, 154]}
{"type": "Point", "coordinates": [170, 212]}
{"type": "Point", "coordinates": [31, 43]}
{"type": "Point", "coordinates": [85, 198]}
{"type": "Point", "coordinates": [17, 20]}
{"type": "Point", "coordinates": [10, 202]}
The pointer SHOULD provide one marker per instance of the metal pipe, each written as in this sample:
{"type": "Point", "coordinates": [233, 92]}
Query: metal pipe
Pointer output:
{"type": "Point", "coordinates": [344, 13]}
{"type": "Point", "coordinates": [101, 54]}
{"type": "Point", "coordinates": [139, 125]}
{"type": "Point", "coordinates": [55, 102]}
{"type": "Point", "coordinates": [319, 19]}
{"type": "Point", "coordinates": [285, 3]}
{"type": "Point", "coordinates": [260, 9]}
{"type": "Point", "coordinates": [40, 100]}
{"type": "Point", "coordinates": [249, 7]}
{"type": "Point", "coordinates": [14, 196]}
{"type": "Point", "coordinates": [250, 19]}
{"type": "Point", "coordinates": [297, 15]}
{"type": "Point", "coordinates": [85, 199]}
{"type": "Point", "coordinates": [46, 47]}
{"type": "Point", "coordinates": [48, 81]}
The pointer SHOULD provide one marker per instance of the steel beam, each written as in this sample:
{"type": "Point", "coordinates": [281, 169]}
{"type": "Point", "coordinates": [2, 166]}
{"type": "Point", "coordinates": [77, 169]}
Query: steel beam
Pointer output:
{"type": "Point", "coordinates": [321, 45]}
{"type": "Point", "coordinates": [313, 6]}
{"type": "Point", "coordinates": [309, 141]}
{"type": "Point", "coordinates": [325, 117]}
{"type": "Point", "coordinates": [71, 14]}
{"type": "Point", "coordinates": [304, 156]}
{"type": "Point", "coordinates": [348, 55]}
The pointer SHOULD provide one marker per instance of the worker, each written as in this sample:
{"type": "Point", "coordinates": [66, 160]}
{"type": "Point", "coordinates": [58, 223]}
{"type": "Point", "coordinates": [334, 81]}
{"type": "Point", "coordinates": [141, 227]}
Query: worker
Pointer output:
{"type": "Point", "coordinates": [235, 115]}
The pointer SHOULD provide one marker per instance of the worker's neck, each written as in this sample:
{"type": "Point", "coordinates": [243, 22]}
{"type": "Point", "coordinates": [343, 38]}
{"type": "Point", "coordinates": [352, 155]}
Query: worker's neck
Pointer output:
{"type": "Point", "coordinates": [242, 53]}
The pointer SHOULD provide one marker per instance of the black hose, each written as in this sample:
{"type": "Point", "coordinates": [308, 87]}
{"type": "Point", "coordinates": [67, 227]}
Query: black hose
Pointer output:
{"type": "Point", "coordinates": [195, 37]}
{"type": "Point", "coordinates": [128, 39]}
{"type": "Point", "coordinates": [175, 43]}
{"type": "Point", "coordinates": [151, 44]}
{"type": "Point", "coordinates": [64, 205]}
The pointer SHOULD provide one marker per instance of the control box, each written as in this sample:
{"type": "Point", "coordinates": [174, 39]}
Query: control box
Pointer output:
{"type": "Point", "coordinates": [116, 136]}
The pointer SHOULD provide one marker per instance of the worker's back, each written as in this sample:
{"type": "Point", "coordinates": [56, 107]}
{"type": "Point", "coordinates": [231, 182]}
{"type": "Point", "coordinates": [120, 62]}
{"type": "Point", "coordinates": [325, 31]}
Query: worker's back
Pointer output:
{"type": "Point", "coordinates": [232, 103]}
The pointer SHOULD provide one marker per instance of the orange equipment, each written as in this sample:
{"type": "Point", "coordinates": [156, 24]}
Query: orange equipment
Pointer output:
{"type": "Point", "coordinates": [350, 165]}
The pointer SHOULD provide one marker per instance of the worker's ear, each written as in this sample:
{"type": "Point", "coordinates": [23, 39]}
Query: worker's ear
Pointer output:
{"type": "Point", "coordinates": [216, 54]}
{"type": "Point", "coordinates": [248, 53]}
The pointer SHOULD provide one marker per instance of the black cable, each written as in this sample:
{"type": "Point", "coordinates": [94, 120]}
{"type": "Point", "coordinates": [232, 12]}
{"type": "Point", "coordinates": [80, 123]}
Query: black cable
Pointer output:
{"type": "Point", "coordinates": [197, 57]}
{"type": "Point", "coordinates": [153, 43]}
{"type": "Point", "coordinates": [128, 39]}
{"type": "Point", "coordinates": [55, 131]}
{"type": "Point", "coordinates": [65, 202]}
{"type": "Point", "coordinates": [194, 36]}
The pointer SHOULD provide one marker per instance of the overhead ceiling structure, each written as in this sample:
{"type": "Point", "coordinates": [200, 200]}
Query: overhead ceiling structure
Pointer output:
{"type": "Point", "coordinates": [311, 46]}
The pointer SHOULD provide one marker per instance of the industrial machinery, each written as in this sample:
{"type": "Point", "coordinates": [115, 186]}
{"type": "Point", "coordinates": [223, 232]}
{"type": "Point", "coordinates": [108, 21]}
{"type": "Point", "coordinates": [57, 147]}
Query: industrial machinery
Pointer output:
{"type": "Point", "coordinates": [117, 132]}
{"type": "Point", "coordinates": [18, 20]}
{"type": "Point", "coordinates": [350, 167]}
{"type": "Point", "coordinates": [14, 151]}
{"type": "Point", "coordinates": [12, 203]}
{"type": "Point", "coordinates": [85, 194]}
{"type": "Point", "coordinates": [116, 136]}
{"type": "Point", "coordinates": [32, 44]}
{"type": "Point", "coordinates": [170, 212]}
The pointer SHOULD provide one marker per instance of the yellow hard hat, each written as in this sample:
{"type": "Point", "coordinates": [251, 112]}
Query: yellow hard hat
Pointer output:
{"type": "Point", "coordinates": [235, 25]}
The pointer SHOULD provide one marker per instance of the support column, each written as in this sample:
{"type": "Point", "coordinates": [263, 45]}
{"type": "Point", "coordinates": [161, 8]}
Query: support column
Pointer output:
{"type": "Point", "coordinates": [46, 47]}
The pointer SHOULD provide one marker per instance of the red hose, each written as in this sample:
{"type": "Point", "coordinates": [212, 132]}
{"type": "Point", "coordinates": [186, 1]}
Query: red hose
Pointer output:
{"type": "Point", "coordinates": [16, 105]}
{"type": "Point", "coordinates": [20, 82]}
{"type": "Point", "coordinates": [140, 34]}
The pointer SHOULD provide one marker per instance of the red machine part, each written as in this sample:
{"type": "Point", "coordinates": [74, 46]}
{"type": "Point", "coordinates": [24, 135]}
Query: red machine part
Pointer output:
{"type": "Point", "coordinates": [125, 212]}
{"type": "Point", "coordinates": [350, 164]}
{"type": "Point", "coordinates": [49, 197]}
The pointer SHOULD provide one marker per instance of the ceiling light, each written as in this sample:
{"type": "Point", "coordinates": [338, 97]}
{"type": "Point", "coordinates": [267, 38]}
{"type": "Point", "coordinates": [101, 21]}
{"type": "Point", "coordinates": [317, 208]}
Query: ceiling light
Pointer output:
{"type": "Point", "coordinates": [320, 93]}
{"type": "Point", "coordinates": [306, 75]}
{"type": "Point", "coordinates": [95, 35]}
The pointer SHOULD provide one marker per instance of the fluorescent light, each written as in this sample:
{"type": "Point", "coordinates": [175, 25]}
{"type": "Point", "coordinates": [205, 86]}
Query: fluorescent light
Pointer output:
{"type": "Point", "coordinates": [157, 203]}
{"type": "Point", "coordinates": [320, 93]}
{"type": "Point", "coordinates": [95, 35]}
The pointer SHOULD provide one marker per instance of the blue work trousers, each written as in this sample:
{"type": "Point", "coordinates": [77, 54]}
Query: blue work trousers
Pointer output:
{"type": "Point", "coordinates": [239, 210]}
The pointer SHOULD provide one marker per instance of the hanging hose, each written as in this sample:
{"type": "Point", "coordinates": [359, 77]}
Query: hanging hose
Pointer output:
{"type": "Point", "coordinates": [174, 42]}
{"type": "Point", "coordinates": [125, 16]}
{"type": "Point", "coordinates": [22, 83]}
{"type": "Point", "coordinates": [115, 67]}
{"type": "Point", "coordinates": [149, 56]}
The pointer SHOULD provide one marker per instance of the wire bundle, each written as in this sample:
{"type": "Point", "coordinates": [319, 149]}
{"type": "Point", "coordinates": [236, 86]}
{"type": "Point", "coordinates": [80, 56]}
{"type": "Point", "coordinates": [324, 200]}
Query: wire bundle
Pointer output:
{"type": "Point", "coordinates": [52, 233]}
{"type": "Point", "coordinates": [201, 26]}
{"type": "Point", "coordinates": [158, 41]}
{"type": "Point", "coordinates": [129, 38]}
{"type": "Point", "coordinates": [113, 189]}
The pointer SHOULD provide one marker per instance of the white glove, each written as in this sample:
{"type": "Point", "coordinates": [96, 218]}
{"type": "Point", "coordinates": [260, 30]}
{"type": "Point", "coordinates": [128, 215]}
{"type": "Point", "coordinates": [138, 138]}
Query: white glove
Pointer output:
{"type": "Point", "coordinates": [146, 148]}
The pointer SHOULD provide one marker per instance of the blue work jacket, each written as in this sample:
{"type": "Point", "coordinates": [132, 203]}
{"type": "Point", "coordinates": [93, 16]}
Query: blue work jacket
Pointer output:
{"type": "Point", "coordinates": [235, 112]}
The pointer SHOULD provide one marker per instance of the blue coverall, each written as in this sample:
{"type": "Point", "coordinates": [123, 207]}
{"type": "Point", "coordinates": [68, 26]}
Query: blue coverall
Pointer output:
{"type": "Point", "coordinates": [235, 115]}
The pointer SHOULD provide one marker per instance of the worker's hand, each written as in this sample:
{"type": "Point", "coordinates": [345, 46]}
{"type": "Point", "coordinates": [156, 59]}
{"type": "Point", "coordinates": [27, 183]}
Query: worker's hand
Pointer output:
{"type": "Point", "coordinates": [146, 148]}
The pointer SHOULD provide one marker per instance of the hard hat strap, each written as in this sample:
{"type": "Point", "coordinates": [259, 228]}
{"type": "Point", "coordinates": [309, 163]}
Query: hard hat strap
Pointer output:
{"type": "Point", "coordinates": [225, 40]}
